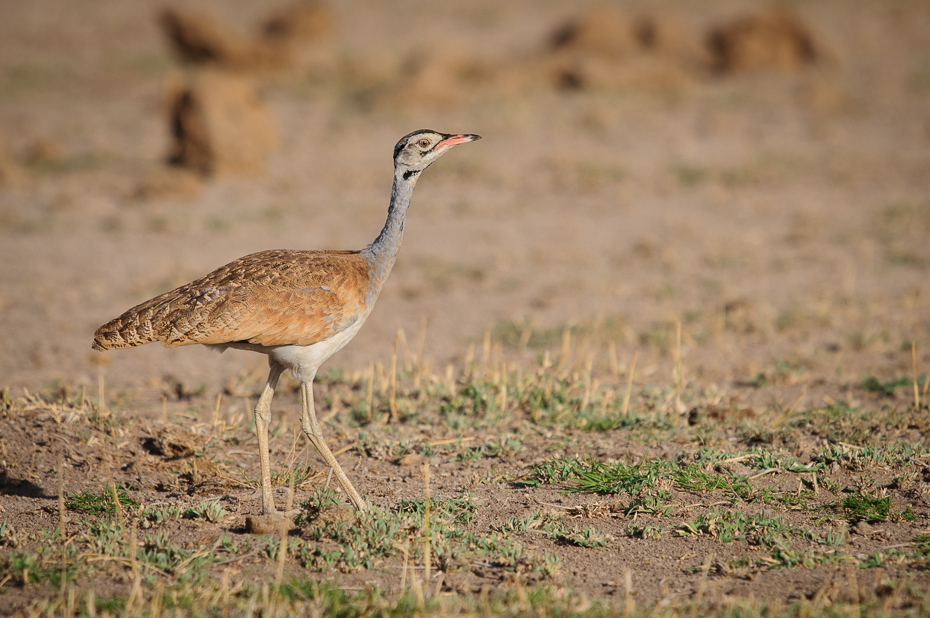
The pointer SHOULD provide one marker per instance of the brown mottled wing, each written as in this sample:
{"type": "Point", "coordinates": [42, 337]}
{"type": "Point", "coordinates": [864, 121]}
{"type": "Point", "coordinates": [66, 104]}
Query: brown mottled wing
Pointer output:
{"type": "Point", "coordinates": [268, 298]}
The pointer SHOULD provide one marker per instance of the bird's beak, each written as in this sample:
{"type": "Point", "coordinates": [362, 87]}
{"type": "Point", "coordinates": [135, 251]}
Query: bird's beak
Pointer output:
{"type": "Point", "coordinates": [461, 138]}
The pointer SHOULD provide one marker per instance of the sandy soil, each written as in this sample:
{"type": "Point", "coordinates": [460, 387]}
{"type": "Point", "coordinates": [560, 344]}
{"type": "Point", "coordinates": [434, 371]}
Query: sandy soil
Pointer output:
{"type": "Point", "coordinates": [781, 216]}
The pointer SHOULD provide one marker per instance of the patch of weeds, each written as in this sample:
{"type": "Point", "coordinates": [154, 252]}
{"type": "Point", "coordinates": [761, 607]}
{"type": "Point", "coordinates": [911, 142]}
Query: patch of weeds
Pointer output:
{"type": "Point", "coordinates": [830, 485]}
{"type": "Point", "coordinates": [425, 449]}
{"type": "Point", "coordinates": [556, 528]}
{"type": "Point", "coordinates": [592, 476]}
{"type": "Point", "coordinates": [575, 404]}
{"type": "Point", "coordinates": [99, 503]}
{"type": "Point", "coordinates": [875, 385]}
{"type": "Point", "coordinates": [105, 537]}
{"type": "Point", "coordinates": [352, 545]}
{"type": "Point", "coordinates": [8, 535]}
{"type": "Point", "coordinates": [158, 551]}
{"type": "Point", "coordinates": [693, 478]}
{"type": "Point", "coordinates": [916, 556]}
{"type": "Point", "coordinates": [321, 499]}
{"type": "Point", "coordinates": [766, 460]}
{"type": "Point", "coordinates": [507, 446]}
{"type": "Point", "coordinates": [584, 537]}
{"type": "Point", "coordinates": [647, 532]}
{"type": "Point", "coordinates": [111, 606]}
{"type": "Point", "coordinates": [759, 529]}
{"type": "Point", "coordinates": [6, 401]}
{"type": "Point", "coordinates": [549, 401]}
{"type": "Point", "coordinates": [377, 535]}
{"type": "Point", "coordinates": [921, 550]}
{"type": "Point", "coordinates": [552, 472]}
{"type": "Point", "coordinates": [862, 506]}
{"type": "Point", "coordinates": [499, 551]}
{"type": "Point", "coordinates": [274, 546]}
{"type": "Point", "coordinates": [705, 457]}
{"type": "Point", "coordinates": [24, 568]}
{"type": "Point", "coordinates": [876, 559]}
{"type": "Point", "coordinates": [838, 422]}
{"type": "Point", "coordinates": [593, 420]}
{"type": "Point", "coordinates": [618, 478]}
{"type": "Point", "coordinates": [648, 503]}
{"type": "Point", "coordinates": [52, 561]}
{"type": "Point", "coordinates": [784, 556]}
{"type": "Point", "coordinates": [769, 532]}
{"type": "Point", "coordinates": [834, 537]}
{"type": "Point", "coordinates": [477, 405]}
{"type": "Point", "coordinates": [458, 510]}
{"type": "Point", "coordinates": [109, 422]}
{"type": "Point", "coordinates": [152, 515]}
{"type": "Point", "coordinates": [520, 524]}
{"type": "Point", "coordinates": [296, 476]}
{"type": "Point", "coordinates": [211, 511]}
{"type": "Point", "coordinates": [400, 449]}
{"type": "Point", "coordinates": [471, 453]}
{"type": "Point", "coordinates": [896, 455]}
{"type": "Point", "coordinates": [794, 500]}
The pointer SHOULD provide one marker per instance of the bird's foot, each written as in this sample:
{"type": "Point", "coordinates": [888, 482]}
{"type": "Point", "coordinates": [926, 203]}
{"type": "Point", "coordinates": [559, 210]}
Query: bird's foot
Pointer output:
{"type": "Point", "coordinates": [270, 522]}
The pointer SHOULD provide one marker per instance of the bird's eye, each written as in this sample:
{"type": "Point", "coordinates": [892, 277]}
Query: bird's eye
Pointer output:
{"type": "Point", "coordinates": [423, 143]}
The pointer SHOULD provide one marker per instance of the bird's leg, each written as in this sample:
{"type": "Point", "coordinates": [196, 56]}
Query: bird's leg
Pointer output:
{"type": "Point", "coordinates": [311, 427]}
{"type": "Point", "coordinates": [262, 420]}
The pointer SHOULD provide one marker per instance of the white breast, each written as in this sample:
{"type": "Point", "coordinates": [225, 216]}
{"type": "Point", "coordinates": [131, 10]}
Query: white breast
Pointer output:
{"type": "Point", "coordinates": [302, 360]}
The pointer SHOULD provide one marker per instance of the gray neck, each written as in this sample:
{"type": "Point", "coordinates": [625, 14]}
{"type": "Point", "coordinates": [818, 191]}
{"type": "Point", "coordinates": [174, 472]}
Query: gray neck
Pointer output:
{"type": "Point", "coordinates": [383, 251]}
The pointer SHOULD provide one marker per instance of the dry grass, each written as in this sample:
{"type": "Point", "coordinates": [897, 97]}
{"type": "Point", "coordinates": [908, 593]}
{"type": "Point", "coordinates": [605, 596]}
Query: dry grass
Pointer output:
{"type": "Point", "coordinates": [842, 497]}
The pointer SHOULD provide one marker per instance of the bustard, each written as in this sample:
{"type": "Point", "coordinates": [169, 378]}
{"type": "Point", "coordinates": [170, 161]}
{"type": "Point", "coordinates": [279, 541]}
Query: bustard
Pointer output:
{"type": "Point", "coordinates": [298, 307]}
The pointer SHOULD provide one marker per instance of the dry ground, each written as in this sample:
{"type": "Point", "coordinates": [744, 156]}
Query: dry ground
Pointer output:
{"type": "Point", "coordinates": [781, 217]}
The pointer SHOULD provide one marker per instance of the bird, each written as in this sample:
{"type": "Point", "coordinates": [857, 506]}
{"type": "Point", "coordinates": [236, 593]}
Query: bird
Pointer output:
{"type": "Point", "coordinates": [299, 307]}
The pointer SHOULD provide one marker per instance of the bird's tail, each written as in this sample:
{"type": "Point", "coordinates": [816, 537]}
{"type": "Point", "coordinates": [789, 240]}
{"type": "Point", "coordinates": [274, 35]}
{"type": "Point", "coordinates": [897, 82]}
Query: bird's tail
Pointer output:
{"type": "Point", "coordinates": [133, 328]}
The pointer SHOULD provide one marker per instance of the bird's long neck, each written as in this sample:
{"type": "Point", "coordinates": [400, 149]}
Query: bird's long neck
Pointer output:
{"type": "Point", "coordinates": [383, 251]}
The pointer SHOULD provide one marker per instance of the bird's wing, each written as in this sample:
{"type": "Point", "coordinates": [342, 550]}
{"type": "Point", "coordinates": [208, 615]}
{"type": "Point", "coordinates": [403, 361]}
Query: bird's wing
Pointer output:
{"type": "Point", "coordinates": [268, 298]}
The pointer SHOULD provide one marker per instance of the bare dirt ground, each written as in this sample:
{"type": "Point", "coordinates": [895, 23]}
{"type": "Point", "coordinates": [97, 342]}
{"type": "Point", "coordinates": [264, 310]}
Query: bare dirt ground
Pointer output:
{"type": "Point", "coordinates": [781, 216]}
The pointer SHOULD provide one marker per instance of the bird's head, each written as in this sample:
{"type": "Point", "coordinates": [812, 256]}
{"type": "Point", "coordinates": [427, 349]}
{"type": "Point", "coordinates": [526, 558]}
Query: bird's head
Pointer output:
{"type": "Point", "coordinates": [417, 151]}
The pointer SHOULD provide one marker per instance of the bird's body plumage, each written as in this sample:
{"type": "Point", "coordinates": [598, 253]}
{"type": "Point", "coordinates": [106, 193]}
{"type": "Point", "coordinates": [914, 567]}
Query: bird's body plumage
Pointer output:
{"type": "Point", "coordinates": [298, 307]}
{"type": "Point", "coordinates": [271, 298]}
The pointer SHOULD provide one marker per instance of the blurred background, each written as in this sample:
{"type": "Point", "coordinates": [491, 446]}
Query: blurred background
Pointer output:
{"type": "Point", "coordinates": [757, 172]}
